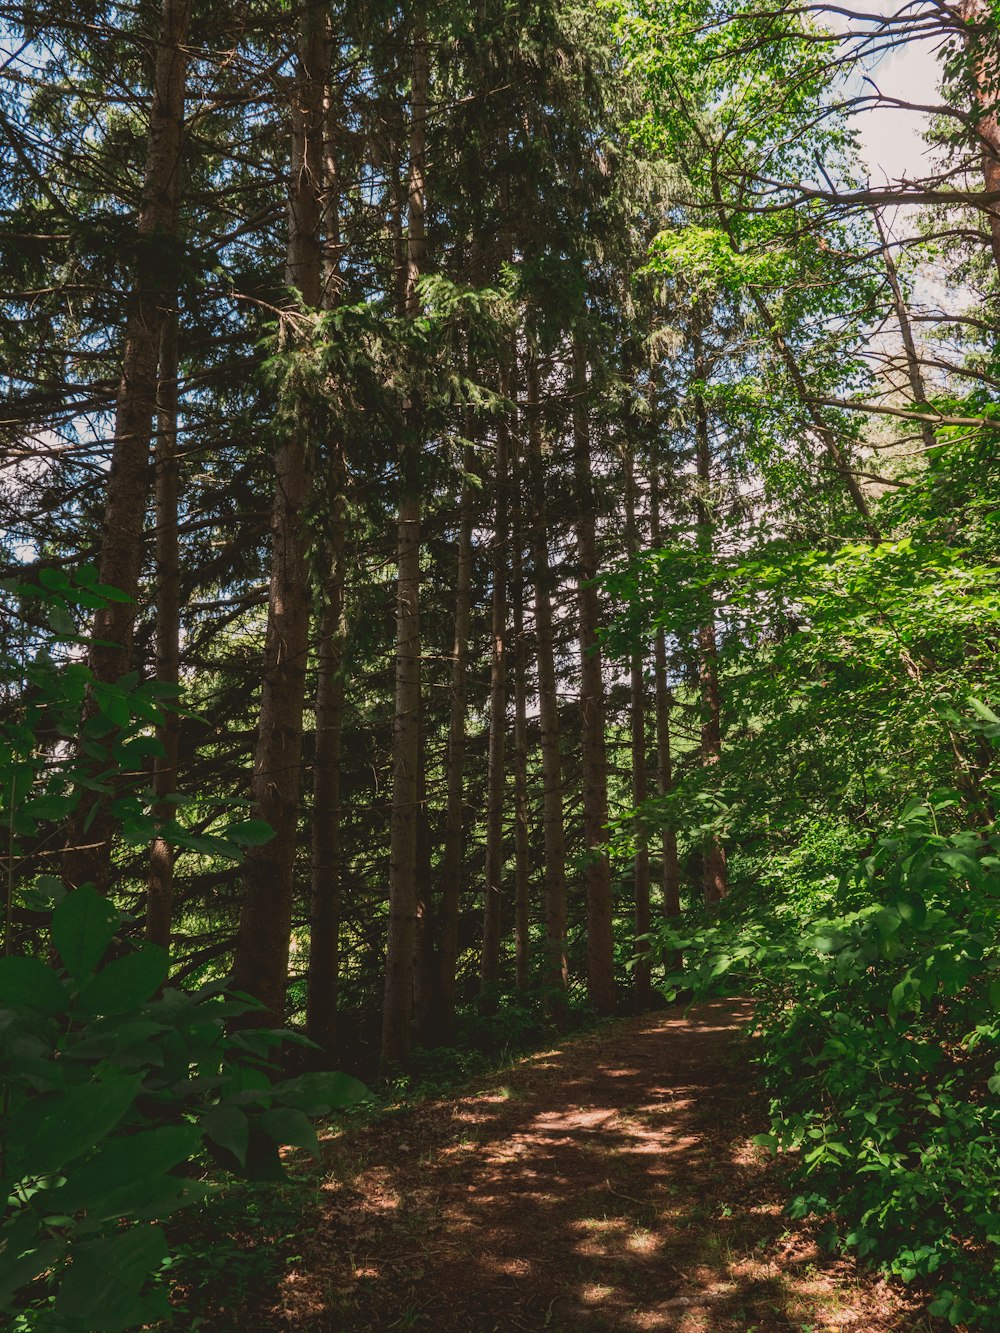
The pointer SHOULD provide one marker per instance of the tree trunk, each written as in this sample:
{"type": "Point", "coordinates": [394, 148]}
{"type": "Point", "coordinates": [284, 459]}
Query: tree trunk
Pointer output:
{"type": "Point", "coordinates": [600, 924]}
{"type": "Point", "coordinates": [324, 920]}
{"type": "Point", "coordinates": [553, 830]}
{"type": "Point", "coordinates": [398, 1000]}
{"type": "Point", "coordinates": [715, 883]}
{"type": "Point", "coordinates": [640, 784]}
{"type": "Point", "coordinates": [522, 869]}
{"type": "Point", "coordinates": [260, 964]}
{"type": "Point", "coordinates": [489, 972]}
{"type": "Point", "coordinates": [979, 39]}
{"type": "Point", "coordinates": [88, 854]}
{"type": "Point", "coordinates": [160, 884]}
{"type": "Point", "coordinates": [426, 1003]}
{"type": "Point", "coordinates": [670, 866]}
{"type": "Point", "coordinates": [454, 828]}
{"type": "Point", "coordinates": [327, 870]}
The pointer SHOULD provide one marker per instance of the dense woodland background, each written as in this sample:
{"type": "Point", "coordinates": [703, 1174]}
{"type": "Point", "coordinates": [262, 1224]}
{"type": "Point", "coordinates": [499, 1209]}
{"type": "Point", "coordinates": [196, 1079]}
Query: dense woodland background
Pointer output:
{"type": "Point", "coordinates": [556, 481]}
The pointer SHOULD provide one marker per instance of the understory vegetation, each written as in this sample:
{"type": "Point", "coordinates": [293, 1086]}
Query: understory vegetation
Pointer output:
{"type": "Point", "coordinates": [877, 1001]}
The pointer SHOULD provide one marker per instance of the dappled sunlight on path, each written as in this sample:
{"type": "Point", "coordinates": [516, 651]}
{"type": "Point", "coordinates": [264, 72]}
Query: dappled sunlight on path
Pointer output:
{"type": "Point", "coordinates": [605, 1184]}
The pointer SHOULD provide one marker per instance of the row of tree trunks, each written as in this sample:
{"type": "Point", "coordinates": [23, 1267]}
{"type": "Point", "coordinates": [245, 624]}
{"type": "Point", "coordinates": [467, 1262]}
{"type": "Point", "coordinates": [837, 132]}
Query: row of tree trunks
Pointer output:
{"type": "Point", "coordinates": [150, 382]}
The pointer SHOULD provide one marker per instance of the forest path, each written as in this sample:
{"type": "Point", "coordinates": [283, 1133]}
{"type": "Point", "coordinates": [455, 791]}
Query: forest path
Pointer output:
{"type": "Point", "coordinates": [608, 1184]}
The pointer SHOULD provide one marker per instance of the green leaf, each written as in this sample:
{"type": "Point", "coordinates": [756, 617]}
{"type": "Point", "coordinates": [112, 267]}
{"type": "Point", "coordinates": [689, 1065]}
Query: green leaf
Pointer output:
{"type": "Point", "coordinates": [145, 1198]}
{"type": "Point", "coordinates": [61, 622]}
{"type": "Point", "coordinates": [83, 925]}
{"type": "Point", "coordinates": [124, 1161]}
{"type": "Point", "coordinates": [30, 984]}
{"type": "Point", "coordinates": [228, 1128]}
{"type": "Point", "coordinates": [829, 941]}
{"type": "Point", "coordinates": [109, 593]}
{"type": "Point", "coordinates": [987, 714]}
{"type": "Point", "coordinates": [911, 908]}
{"type": "Point", "coordinates": [901, 992]}
{"type": "Point", "coordinates": [768, 1141]}
{"type": "Point", "coordinates": [966, 866]}
{"type": "Point", "coordinates": [113, 703]}
{"type": "Point", "coordinates": [106, 1276]}
{"type": "Point", "coordinates": [316, 1094]}
{"type": "Point", "coordinates": [48, 890]}
{"type": "Point", "coordinates": [263, 1159]}
{"type": "Point", "coordinates": [126, 982]}
{"type": "Point", "coordinates": [55, 580]}
{"type": "Point", "coordinates": [17, 1270]}
{"type": "Point", "coordinates": [293, 1128]}
{"type": "Point", "coordinates": [66, 1124]}
{"type": "Point", "coordinates": [210, 845]}
{"type": "Point", "coordinates": [888, 922]}
{"type": "Point", "coordinates": [249, 833]}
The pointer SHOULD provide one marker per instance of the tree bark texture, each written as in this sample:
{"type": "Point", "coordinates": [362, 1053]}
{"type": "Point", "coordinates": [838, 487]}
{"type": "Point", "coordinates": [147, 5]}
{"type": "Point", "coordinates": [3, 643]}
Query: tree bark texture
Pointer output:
{"type": "Point", "coordinates": [519, 654]}
{"type": "Point", "coordinates": [425, 970]}
{"type": "Point", "coordinates": [600, 925]}
{"type": "Point", "coordinates": [260, 964]}
{"type": "Point", "coordinates": [88, 854]}
{"type": "Point", "coordinates": [489, 974]}
{"type": "Point", "coordinates": [640, 782]}
{"type": "Point", "coordinates": [553, 828]}
{"type": "Point", "coordinates": [397, 1013]}
{"type": "Point", "coordinates": [454, 820]}
{"type": "Point", "coordinates": [913, 371]}
{"type": "Point", "coordinates": [714, 875]}
{"type": "Point", "coordinates": [160, 883]}
{"type": "Point", "coordinates": [327, 870]}
{"type": "Point", "coordinates": [670, 873]}
{"type": "Point", "coordinates": [322, 989]}
{"type": "Point", "coordinates": [983, 72]}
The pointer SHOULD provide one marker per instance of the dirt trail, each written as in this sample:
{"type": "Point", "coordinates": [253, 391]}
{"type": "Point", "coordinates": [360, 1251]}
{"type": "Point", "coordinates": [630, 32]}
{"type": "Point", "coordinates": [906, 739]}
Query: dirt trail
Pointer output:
{"type": "Point", "coordinates": [606, 1184]}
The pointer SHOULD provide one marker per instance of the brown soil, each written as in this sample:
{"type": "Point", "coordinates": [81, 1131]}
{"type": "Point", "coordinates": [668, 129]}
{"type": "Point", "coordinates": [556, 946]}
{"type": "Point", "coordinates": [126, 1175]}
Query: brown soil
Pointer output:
{"type": "Point", "coordinates": [608, 1184]}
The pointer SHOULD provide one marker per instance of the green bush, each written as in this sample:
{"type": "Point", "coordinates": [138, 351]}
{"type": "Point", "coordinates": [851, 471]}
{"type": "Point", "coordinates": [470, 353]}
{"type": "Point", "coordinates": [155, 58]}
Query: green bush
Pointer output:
{"type": "Point", "coordinates": [111, 1089]}
{"type": "Point", "coordinates": [116, 1089]}
{"type": "Point", "coordinates": [879, 1026]}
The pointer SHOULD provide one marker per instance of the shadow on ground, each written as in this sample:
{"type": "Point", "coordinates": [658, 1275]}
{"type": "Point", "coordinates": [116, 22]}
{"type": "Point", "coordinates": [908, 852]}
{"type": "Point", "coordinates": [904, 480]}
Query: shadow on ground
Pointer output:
{"type": "Point", "coordinates": [605, 1185]}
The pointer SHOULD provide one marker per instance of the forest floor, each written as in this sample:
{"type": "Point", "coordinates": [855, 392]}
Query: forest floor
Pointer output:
{"type": "Point", "coordinates": [606, 1184]}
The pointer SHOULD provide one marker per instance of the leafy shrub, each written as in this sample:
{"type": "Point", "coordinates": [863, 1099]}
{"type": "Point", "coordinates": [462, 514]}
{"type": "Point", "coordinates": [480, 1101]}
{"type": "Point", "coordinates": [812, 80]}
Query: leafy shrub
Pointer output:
{"type": "Point", "coordinates": [115, 1088]}
{"type": "Point", "coordinates": [111, 1089]}
{"type": "Point", "coordinates": [880, 1045]}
